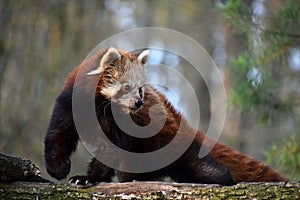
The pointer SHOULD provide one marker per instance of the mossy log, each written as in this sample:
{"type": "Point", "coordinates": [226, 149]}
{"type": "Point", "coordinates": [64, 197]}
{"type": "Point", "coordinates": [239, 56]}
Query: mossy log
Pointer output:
{"type": "Point", "coordinates": [21, 180]}
{"type": "Point", "coordinates": [150, 190]}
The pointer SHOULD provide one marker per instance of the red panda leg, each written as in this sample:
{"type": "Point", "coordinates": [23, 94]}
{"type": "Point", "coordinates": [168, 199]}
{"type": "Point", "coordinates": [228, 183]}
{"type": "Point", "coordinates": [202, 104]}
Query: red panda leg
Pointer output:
{"type": "Point", "coordinates": [61, 138]}
{"type": "Point", "coordinates": [97, 173]}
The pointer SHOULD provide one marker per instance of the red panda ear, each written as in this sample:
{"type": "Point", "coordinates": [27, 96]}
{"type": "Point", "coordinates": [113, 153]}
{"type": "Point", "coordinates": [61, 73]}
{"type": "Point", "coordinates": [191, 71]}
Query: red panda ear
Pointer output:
{"type": "Point", "coordinates": [111, 55]}
{"type": "Point", "coordinates": [143, 57]}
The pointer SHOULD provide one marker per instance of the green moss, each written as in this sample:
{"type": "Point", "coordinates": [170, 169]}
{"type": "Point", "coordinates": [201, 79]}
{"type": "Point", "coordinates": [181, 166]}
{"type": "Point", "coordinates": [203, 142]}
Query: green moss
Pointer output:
{"type": "Point", "coordinates": [182, 191]}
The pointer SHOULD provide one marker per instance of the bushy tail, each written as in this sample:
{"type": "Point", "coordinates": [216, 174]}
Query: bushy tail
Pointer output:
{"type": "Point", "coordinates": [242, 167]}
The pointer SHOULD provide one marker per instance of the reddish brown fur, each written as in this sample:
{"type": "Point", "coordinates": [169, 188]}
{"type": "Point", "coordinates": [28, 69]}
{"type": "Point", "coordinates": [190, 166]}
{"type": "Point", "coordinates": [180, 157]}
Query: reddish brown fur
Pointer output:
{"type": "Point", "coordinates": [222, 165]}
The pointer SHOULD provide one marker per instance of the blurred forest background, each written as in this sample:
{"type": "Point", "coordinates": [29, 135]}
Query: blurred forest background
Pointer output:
{"type": "Point", "coordinates": [255, 44]}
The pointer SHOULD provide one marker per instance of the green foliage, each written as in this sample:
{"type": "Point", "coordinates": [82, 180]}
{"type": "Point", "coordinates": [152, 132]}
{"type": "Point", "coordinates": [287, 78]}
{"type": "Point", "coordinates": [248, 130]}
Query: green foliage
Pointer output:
{"type": "Point", "coordinates": [254, 88]}
{"type": "Point", "coordinates": [289, 14]}
{"type": "Point", "coordinates": [286, 157]}
{"type": "Point", "coordinates": [262, 78]}
{"type": "Point", "coordinates": [252, 85]}
{"type": "Point", "coordinates": [236, 14]}
{"type": "Point", "coordinates": [254, 73]}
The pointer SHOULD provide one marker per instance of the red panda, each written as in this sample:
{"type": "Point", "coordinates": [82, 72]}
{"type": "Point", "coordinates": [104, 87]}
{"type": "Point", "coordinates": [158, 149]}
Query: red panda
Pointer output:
{"type": "Point", "coordinates": [223, 165]}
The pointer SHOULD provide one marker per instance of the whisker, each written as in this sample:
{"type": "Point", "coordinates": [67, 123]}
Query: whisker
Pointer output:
{"type": "Point", "coordinates": [105, 109]}
{"type": "Point", "coordinates": [104, 102]}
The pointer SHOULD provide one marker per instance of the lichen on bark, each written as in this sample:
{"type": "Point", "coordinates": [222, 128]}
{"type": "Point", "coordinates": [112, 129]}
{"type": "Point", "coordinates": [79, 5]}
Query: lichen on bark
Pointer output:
{"type": "Point", "coordinates": [150, 190]}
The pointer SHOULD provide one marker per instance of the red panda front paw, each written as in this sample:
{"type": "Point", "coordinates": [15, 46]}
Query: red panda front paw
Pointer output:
{"type": "Point", "coordinates": [58, 170]}
{"type": "Point", "coordinates": [82, 181]}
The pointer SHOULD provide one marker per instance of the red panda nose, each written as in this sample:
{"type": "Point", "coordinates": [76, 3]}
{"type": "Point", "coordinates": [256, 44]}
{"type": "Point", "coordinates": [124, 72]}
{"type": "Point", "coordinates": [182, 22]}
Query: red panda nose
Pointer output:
{"type": "Point", "coordinates": [138, 103]}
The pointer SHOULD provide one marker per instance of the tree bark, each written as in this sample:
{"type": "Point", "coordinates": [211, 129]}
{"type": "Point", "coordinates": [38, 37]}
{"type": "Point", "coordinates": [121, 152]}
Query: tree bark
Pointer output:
{"type": "Point", "coordinates": [150, 190]}
{"type": "Point", "coordinates": [18, 169]}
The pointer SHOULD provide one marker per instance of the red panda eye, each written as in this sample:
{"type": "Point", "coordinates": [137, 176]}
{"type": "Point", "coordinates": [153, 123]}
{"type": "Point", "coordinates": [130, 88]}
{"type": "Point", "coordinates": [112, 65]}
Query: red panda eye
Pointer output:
{"type": "Point", "coordinates": [127, 87]}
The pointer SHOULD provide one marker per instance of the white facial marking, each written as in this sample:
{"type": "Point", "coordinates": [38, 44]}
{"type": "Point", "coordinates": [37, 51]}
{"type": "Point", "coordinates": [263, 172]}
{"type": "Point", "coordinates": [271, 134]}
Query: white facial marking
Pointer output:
{"type": "Point", "coordinates": [111, 90]}
{"type": "Point", "coordinates": [94, 72]}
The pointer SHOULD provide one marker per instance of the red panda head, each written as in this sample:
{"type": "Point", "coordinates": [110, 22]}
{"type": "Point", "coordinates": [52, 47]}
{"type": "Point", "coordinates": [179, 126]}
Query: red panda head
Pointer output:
{"type": "Point", "coordinates": [122, 77]}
